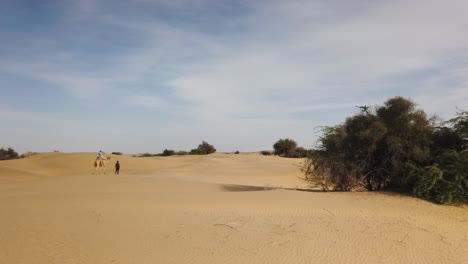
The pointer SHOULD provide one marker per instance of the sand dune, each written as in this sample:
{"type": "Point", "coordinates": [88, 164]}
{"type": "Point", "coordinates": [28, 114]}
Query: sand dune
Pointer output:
{"type": "Point", "coordinates": [221, 208]}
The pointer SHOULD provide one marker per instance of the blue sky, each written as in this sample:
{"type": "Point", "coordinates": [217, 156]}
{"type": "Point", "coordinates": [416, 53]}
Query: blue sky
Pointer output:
{"type": "Point", "coordinates": [141, 76]}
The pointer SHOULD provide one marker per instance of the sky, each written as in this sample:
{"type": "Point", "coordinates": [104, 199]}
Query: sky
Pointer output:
{"type": "Point", "coordinates": [142, 76]}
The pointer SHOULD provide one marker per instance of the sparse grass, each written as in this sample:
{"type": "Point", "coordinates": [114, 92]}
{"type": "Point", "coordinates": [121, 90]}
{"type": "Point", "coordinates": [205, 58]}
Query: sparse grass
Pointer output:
{"type": "Point", "coordinates": [147, 155]}
{"type": "Point", "coordinates": [28, 154]}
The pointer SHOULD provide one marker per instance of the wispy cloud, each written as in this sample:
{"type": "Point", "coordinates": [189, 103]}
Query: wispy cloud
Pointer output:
{"type": "Point", "coordinates": [151, 102]}
{"type": "Point", "coordinates": [255, 67]}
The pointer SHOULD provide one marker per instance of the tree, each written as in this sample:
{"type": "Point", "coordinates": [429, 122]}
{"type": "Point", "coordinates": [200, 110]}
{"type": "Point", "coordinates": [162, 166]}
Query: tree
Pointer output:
{"type": "Point", "coordinates": [408, 138]}
{"type": "Point", "coordinates": [6, 154]}
{"type": "Point", "coordinates": [371, 149]}
{"type": "Point", "coordinates": [285, 147]}
{"type": "Point", "coordinates": [395, 146]}
{"type": "Point", "coordinates": [203, 149]}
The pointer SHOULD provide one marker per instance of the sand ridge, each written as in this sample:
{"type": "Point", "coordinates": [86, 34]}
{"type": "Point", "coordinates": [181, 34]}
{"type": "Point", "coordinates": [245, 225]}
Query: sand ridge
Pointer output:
{"type": "Point", "coordinates": [220, 208]}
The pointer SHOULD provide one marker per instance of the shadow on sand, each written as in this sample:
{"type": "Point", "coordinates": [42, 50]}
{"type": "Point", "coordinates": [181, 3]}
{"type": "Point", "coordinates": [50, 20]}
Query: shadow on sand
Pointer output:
{"type": "Point", "coordinates": [250, 188]}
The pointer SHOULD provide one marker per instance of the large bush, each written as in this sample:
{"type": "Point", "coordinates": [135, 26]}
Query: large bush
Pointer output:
{"type": "Point", "coordinates": [397, 147]}
{"type": "Point", "coordinates": [371, 149]}
{"type": "Point", "coordinates": [7, 154]}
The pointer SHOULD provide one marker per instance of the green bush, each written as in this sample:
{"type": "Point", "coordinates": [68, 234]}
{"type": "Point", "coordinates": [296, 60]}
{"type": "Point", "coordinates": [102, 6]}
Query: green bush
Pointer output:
{"type": "Point", "coordinates": [116, 153]}
{"type": "Point", "coordinates": [285, 147]}
{"type": "Point", "coordinates": [7, 154]}
{"type": "Point", "coordinates": [442, 182]}
{"type": "Point", "coordinates": [300, 152]}
{"type": "Point", "coordinates": [454, 185]}
{"type": "Point", "coordinates": [182, 153]}
{"type": "Point", "coordinates": [266, 152]}
{"type": "Point", "coordinates": [394, 147]}
{"type": "Point", "coordinates": [373, 147]}
{"type": "Point", "coordinates": [195, 152]}
{"type": "Point", "coordinates": [460, 125]}
{"type": "Point", "coordinates": [168, 152]}
{"type": "Point", "coordinates": [423, 180]}
{"type": "Point", "coordinates": [203, 149]}
{"type": "Point", "coordinates": [147, 154]}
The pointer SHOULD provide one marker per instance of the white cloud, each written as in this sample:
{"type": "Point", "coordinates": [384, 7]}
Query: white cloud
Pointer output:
{"type": "Point", "coordinates": [260, 73]}
{"type": "Point", "coordinates": [341, 59]}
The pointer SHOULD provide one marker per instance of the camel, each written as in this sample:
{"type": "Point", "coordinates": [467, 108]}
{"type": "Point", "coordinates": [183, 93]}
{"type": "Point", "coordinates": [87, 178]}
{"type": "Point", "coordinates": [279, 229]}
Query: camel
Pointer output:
{"type": "Point", "coordinates": [100, 166]}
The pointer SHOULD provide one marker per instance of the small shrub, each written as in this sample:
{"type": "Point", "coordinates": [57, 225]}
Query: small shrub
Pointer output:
{"type": "Point", "coordinates": [117, 153]}
{"type": "Point", "coordinates": [195, 152]}
{"type": "Point", "coordinates": [266, 152]}
{"type": "Point", "coordinates": [28, 154]}
{"type": "Point", "coordinates": [237, 152]}
{"type": "Point", "coordinates": [148, 155]}
{"type": "Point", "coordinates": [181, 153]}
{"type": "Point", "coordinates": [168, 152]}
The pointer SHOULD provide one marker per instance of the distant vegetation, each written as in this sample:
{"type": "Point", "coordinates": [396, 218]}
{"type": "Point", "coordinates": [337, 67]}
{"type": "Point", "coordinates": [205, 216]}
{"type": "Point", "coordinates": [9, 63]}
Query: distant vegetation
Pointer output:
{"type": "Point", "coordinates": [8, 154]}
{"type": "Point", "coordinates": [28, 154]}
{"type": "Point", "coordinates": [168, 152]}
{"type": "Point", "coordinates": [203, 149]}
{"type": "Point", "coordinates": [394, 147]}
{"type": "Point", "coordinates": [288, 148]}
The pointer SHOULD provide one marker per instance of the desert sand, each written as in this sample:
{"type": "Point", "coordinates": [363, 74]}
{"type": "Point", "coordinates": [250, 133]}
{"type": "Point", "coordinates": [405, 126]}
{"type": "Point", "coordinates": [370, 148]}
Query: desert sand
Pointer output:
{"type": "Point", "coordinates": [220, 208]}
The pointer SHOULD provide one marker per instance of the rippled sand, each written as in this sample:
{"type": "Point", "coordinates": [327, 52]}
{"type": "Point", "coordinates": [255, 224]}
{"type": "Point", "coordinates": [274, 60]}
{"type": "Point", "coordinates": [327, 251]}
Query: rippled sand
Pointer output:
{"type": "Point", "coordinates": [221, 208]}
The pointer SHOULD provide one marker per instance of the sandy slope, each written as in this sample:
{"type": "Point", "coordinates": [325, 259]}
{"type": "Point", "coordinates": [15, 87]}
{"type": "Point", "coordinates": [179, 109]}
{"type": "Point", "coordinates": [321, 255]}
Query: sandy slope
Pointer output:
{"type": "Point", "coordinates": [219, 208]}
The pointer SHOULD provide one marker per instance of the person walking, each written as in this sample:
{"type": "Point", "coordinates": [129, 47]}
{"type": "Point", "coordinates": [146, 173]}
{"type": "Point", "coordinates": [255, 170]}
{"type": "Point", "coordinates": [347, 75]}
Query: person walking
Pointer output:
{"type": "Point", "coordinates": [117, 168]}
